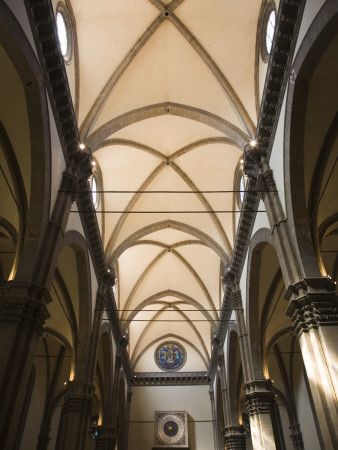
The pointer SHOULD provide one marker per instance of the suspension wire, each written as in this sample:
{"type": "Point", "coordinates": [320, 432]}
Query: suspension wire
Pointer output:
{"type": "Point", "coordinates": [170, 212]}
{"type": "Point", "coordinates": [173, 192]}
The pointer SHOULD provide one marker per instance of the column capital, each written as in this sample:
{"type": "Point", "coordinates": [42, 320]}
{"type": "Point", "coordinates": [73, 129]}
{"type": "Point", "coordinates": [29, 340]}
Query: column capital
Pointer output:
{"type": "Point", "coordinates": [106, 439]}
{"type": "Point", "coordinates": [258, 397]}
{"type": "Point", "coordinates": [23, 305]}
{"type": "Point", "coordinates": [312, 302]}
{"type": "Point", "coordinates": [78, 397]}
{"type": "Point", "coordinates": [297, 437]}
{"type": "Point", "coordinates": [234, 438]}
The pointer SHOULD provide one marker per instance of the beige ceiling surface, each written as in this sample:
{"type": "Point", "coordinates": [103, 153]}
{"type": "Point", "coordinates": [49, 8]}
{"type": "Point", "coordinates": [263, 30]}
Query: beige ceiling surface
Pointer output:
{"type": "Point", "coordinates": [167, 103]}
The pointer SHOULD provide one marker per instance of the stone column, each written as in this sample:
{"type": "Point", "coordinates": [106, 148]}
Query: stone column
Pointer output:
{"type": "Point", "coordinates": [107, 438]}
{"type": "Point", "coordinates": [75, 416]}
{"type": "Point", "coordinates": [22, 315]}
{"type": "Point", "coordinates": [125, 440]}
{"type": "Point", "coordinates": [234, 438]}
{"type": "Point", "coordinates": [313, 309]}
{"type": "Point", "coordinates": [259, 402]}
{"type": "Point", "coordinates": [213, 413]}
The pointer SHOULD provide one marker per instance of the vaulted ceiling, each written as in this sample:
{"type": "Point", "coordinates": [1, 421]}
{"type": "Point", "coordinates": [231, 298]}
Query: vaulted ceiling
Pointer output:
{"type": "Point", "coordinates": [166, 95]}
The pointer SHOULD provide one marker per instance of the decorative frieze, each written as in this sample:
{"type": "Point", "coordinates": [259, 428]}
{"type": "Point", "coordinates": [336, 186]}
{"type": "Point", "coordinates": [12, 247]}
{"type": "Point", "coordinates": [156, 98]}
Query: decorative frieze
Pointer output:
{"type": "Point", "coordinates": [172, 378]}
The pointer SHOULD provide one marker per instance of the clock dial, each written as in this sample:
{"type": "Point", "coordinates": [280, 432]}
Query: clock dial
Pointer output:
{"type": "Point", "coordinates": [170, 429]}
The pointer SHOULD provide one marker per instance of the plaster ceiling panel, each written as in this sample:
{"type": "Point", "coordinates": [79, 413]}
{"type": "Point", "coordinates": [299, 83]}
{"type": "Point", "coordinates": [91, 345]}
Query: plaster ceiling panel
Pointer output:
{"type": "Point", "coordinates": [167, 133]}
{"type": "Point", "coordinates": [167, 69]}
{"type": "Point", "coordinates": [169, 180]}
{"type": "Point", "coordinates": [171, 273]}
{"type": "Point", "coordinates": [130, 268]}
{"type": "Point", "coordinates": [206, 263]}
{"type": "Point", "coordinates": [123, 168]}
{"type": "Point", "coordinates": [173, 323]}
{"type": "Point", "coordinates": [227, 31]}
{"type": "Point", "coordinates": [120, 24]}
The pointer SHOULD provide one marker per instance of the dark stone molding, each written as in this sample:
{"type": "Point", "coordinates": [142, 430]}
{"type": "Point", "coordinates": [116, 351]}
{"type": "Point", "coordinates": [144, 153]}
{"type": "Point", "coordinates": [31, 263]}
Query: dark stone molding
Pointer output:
{"type": "Point", "coordinates": [170, 378]}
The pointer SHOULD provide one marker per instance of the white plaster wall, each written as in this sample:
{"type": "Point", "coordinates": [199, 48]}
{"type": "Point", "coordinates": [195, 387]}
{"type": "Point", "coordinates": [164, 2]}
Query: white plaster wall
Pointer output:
{"type": "Point", "coordinates": [148, 399]}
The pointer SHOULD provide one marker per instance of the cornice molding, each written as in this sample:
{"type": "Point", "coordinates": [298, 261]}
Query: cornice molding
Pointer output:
{"type": "Point", "coordinates": [170, 379]}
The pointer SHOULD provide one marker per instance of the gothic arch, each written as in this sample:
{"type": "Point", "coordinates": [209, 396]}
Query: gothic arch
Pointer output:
{"type": "Point", "coordinates": [35, 215]}
{"type": "Point", "coordinates": [320, 34]}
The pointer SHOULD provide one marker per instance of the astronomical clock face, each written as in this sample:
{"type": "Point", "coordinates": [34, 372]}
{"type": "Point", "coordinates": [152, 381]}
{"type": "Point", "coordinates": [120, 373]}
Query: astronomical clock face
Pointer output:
{"type": "Point", "coordinates": [170, 356]}
{"type": "Point", "coordinates": [171, 429]}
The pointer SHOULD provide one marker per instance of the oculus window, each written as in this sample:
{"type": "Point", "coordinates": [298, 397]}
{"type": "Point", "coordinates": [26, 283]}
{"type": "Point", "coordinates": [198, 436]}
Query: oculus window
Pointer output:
{"type": "Point", "coordinates": [267, 32]}
{"type": "Point", "coordinates": [65, 34]}
{"type": "Point", "coordinates": [170, 356]}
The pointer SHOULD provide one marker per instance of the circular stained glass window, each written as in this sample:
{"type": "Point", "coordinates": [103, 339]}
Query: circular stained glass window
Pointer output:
{"type": "Point", "coordinates": [170, 356]}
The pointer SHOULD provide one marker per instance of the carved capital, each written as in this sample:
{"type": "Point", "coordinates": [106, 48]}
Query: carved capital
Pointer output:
{"type": "Point", "coordinates": [23, 305]}
{"type": "Point", "coordinates": [297, 437]}
{"type": "Point", "coordinates": [258, 397]}
{"type": "Point", "coordinates": [106, 440]}
{"type": "Point", "coordinates": [234, 438]}
{"type": "Point", "coordinates": [313, 302]}
{"type": "Point", "coordinates": [78, 398]}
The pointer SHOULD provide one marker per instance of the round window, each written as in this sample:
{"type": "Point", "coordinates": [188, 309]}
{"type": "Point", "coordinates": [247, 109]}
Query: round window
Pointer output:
{"type": "Point", "coordinates": [170, 356]}
{"type": "Point", "coordinates": [93, 188]}
{"type": "Point", "coordinates": [64, 29]}
{"type": "Point", "coordinates": [270, 31]}
{"type": "Point", "coordinates": [267, 30]}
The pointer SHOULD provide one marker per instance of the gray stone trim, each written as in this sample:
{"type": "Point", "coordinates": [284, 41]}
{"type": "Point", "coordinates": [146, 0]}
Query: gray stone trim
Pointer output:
{"type": "Point", "coordinates": [95, 139]}
{"type": "Point", "coordinates": [168, 379]}
{"type": "Point", "coordinates": [160, 226]}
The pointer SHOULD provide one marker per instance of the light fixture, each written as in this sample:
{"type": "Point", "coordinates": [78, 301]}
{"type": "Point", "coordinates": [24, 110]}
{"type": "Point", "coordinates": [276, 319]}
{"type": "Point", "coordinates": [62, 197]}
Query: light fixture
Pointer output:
{"type": "Point", "coordinates": [93, 163]}
{"type": "Point", "coordinates": [253, 143]}
{"type": "Point", "coordinates": [82, 146]}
